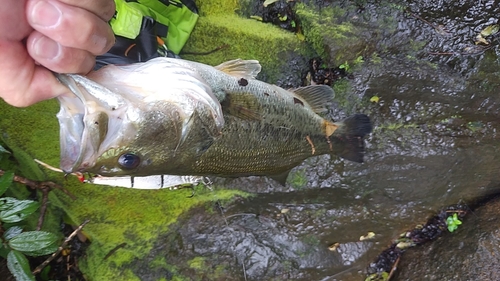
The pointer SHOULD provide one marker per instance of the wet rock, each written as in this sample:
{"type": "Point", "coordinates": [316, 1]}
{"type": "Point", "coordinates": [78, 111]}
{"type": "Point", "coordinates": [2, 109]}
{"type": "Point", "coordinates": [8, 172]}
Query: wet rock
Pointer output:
{"type": "Point", "coordinates": [435, 143]}
{"type": "Point", "coordinates": [470, 253]}
{"type": "Point", "coordinates": [267, 237]}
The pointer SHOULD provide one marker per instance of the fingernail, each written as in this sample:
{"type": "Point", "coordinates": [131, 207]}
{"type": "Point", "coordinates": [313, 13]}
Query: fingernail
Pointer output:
{"type": "Point", "coordinates": [46, 48]}
{"type": "Point", "coordinates": [45, 14]}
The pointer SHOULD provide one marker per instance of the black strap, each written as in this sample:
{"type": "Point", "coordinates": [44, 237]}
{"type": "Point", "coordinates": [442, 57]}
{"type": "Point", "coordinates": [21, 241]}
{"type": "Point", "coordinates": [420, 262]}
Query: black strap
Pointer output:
{"type": "Point", "coordinates": [190, 4]}
{"type": "Point", "coordinates": [109, 58]}
{"type": "Point", "coordinates": [143, 48]}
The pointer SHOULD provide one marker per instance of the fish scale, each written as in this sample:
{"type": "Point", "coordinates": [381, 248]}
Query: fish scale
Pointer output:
{"type": "Point", "coordinates": [276, 105]}
{"type": "Point", "coordinates": [284, 150]}
{"type": "Point", "coordinates": [199, 121]}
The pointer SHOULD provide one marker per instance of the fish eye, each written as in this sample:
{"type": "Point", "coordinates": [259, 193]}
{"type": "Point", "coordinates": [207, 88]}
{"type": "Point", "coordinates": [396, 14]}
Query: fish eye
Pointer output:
{"type": "Point", "coordinates": [129, 161]}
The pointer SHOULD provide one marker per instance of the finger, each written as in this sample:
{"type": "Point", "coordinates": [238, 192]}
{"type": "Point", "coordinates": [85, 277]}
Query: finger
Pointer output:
{"type": "Point", "coordinates": [14, 25]}
{"type": "Point", "coordinates": [58, 58]}
{"type": "Point", "coordinates": [70, 26]}
{"type": "Point", "coordinates": [104, 9]}
{"type": "Point", "coordinates": [23, 82]}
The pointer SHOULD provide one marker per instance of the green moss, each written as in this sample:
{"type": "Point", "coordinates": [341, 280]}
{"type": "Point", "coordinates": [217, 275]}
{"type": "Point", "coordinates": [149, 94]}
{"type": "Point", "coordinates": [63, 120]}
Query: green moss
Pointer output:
{"type": "Point", "coordinates": [117, 215]}
{"type": "Point", "coordinates": [298, 179]}
{"type": "Point", "coordinates": [342, 90]}
{"type": "Point", "coordinates": [135, 217]}
{"type": "Point", "coordinates": [207, 7]}
{"type": "Point", "coordinates": [243, 39]}
{"type": "Point", "coordinates": [416, 45]}
{"type": "Point", "coordinates": [197, 263]}
{"type": "Point", "coordinates": [138, 217]}
{"type": "Point", "coordinates": [27, 128]}
{"type": "Point", "coordinates": [323, 31]}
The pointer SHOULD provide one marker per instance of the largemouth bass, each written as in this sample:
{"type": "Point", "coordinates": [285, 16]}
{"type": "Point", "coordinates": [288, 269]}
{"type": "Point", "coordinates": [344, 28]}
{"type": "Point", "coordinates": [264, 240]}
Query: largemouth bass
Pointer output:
{"type": "Point", "coordinates": [171, 116]}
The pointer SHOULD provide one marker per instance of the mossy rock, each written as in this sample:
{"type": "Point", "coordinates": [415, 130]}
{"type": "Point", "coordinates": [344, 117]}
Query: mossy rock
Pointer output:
{"type": "Point", "coordinates": [135, 219]}
{"type": "Point", "coordinates": [281, 53]}
{"type": "Point", "coordinates": [334, 39]}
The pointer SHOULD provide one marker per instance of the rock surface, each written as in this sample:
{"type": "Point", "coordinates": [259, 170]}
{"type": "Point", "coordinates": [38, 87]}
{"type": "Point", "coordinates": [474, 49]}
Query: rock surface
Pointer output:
{"type": "Point", "coordinates": [435, 143]}
{"type": "Point", "coordinates": [470, 253]}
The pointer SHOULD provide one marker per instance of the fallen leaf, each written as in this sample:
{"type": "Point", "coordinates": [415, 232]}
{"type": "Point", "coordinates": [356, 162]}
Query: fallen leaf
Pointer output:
{"type": "Point", "coordinates": [490, 30]}
{"type": "Point", "coordinates": [480, 40]}
{"type": "Point", "coordinates": [333, 247]}
{"type": "Point", "coordinates": [368, 236]}
{"type": "Point", "coordinates": [375, 99]}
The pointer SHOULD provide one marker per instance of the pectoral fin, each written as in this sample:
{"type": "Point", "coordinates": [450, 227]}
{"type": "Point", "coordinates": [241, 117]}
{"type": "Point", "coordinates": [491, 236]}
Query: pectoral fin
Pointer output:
{"type": "Point", "coordinates": [245, 107]}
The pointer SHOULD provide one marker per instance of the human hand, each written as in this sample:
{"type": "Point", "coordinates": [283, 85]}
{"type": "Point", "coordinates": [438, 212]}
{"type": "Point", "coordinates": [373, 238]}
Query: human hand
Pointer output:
{"type": "Point", "coordinates": [40, 36]}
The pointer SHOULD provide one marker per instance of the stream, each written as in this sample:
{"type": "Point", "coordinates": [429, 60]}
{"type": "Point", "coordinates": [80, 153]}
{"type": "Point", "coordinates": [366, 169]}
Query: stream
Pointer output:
{"type": "Point", "coordinates": [435, 143]}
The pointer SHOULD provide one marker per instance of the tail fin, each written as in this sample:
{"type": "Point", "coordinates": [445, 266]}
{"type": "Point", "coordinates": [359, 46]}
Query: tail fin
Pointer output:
{"type": "Point", "coordinates": [350, 134]}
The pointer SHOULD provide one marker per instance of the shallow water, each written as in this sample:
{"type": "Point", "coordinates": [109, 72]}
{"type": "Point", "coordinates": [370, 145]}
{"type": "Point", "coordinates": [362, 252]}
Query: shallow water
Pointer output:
{"type": "Point", "coordinates": [435, 143]}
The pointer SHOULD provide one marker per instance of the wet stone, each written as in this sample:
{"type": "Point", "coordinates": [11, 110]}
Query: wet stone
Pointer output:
{"type": "Point", "coordinates": [471, 252]}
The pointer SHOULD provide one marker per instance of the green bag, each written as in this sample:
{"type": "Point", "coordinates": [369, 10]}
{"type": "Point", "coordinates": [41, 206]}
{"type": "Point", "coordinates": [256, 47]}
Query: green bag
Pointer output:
{"type": "Point", "coordinates": [171, 20]}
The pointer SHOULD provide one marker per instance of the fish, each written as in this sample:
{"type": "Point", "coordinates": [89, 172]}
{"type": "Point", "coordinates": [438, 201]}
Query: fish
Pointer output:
{"type": "Point", "coordinates": [178, 117]}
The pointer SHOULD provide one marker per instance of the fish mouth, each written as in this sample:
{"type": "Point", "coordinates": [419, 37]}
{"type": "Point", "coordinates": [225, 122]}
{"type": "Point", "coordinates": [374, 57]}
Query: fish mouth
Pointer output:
{"type": "Point", "coordinates": [85, 121]}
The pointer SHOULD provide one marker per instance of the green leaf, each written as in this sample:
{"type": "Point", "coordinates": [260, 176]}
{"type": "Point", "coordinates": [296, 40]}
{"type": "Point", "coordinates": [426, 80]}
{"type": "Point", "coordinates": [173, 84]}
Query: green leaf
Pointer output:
{"type": "Point", "coordinates": [4, 250]}
{"type": "Point", "coordinates": [375, 99]}
{"type": "Point", "coordinates": [27, 166]}
{"type": "Point", "coordinates": [34, 243]}
{"type": "Point", "coordinates": [19, 266]}
{"type": "Point", "coordinates": [43, 252]}
{"type": "Point", "coordinates": [453, 222]}
{"type": "Point", "coordinates": [44, 275]}
{"type": "Point", "coordinates": [12, 232]}
{"type": "Point", "coordinates": [282, 18]}
{"type": "Point", "coordinates": [256, 18]}
{"type": "Point", "coordinates": [14, 210]}
{"type": "Point", "coordinates": [490, 30]}
{"type": "Point", "coordinates": [6, 181]}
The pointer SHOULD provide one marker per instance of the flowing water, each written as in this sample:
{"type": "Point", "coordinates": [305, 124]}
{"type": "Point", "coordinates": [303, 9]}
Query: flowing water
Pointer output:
{"type": "Point", "coordinates": [435, 143]}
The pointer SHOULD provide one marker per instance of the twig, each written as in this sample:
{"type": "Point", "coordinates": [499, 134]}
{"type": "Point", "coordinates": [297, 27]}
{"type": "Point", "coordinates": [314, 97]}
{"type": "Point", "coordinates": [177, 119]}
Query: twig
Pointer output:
{"type": "Point", "coordinates": [456, 211]}
{"type": "Point", "coordinates": [40, 184]}
{"type": "Point", "coordinates": [393, 269]}
{"type": "Point", "coordinates": [443, 53]}
{"type": "Point", "coordinates": [114, 250]}
{"type": "Point", "coordinates": [461, 53]}
{"type": "Point", "coordinates": [43, 209]}
{"type": "Point", "coordinates": [45, 165]}
{"type": "Point", "coordinates": [79, 175]}
{"type": "Point", "coordinates": [420, 18]}
{"type": "Point", "coordinates": [56, 253]}
{"type": "Point", "coordinates": [206, 53]}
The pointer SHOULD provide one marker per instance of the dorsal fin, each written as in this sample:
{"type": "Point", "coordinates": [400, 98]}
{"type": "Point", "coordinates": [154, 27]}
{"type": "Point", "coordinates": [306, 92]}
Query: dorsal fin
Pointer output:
{"type": "Point", "coordinates": [317, 96]}
{"type": "Point", "coordinates": [240, 68]}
